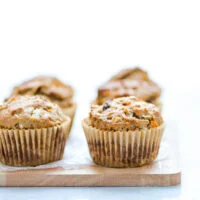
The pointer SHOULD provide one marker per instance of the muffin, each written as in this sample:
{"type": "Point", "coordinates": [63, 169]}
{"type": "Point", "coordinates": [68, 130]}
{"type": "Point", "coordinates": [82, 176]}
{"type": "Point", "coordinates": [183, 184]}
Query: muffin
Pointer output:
{"type": "Point", "coordinates": [33, 131]}
{"type": "Point", "coordinates": [145, 90]}
{"type": "Point", "coordinates": [124, 132]}
{"type": "Point", "coordinates": [131, 74]}
{"type": "Point", "coordinates": [52, 88]}
{"type": "Point", "coordinates": [130, 82]}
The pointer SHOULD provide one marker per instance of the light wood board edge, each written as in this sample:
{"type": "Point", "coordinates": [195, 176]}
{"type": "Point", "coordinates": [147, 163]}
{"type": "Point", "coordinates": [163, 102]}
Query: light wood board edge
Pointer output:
{"type": "Point", "coordinates": [51, 178]}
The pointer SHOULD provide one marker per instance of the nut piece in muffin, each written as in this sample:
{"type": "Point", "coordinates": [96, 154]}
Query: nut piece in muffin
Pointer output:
{"type": "Point", "coordinates": [33, 131]}
{"type": "Point", "coordinates": [50, 87]}
{"type": "Point", "coordinates": [124, 132]}
{"type": "Point", "coordinates": [130, 82]}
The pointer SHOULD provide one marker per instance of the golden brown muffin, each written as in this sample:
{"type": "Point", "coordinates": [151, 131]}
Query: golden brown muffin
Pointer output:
{"type": "Point", "coordinates": [131, 74]}
{"type": "Point", "coordinates": [125, 114]}
{"type": "Point", "coordinates": [33, 131]}
{"type": "Point", "coordinates": [30, 113]}
{"type": "Point", "coordinates": [130, 82]}
{"type": "Point", "coordinates": [146, 90]}
{"type": "Point", "coordinates": [124, 132]}
{"type": "Point", "coordinates": [50, 87]}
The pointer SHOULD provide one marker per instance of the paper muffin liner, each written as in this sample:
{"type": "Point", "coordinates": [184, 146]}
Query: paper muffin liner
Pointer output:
{"type": "Point", "coordinates": [70, 112]}
{"type": "Point", "coordinates": [123, 148]}
{"type": "Point", "coordinates": [32, 147]}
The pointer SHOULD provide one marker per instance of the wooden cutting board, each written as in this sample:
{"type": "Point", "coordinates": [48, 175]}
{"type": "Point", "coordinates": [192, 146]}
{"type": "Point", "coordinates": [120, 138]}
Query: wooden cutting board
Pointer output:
{"type": "Point", "coordinates": [165, 171]}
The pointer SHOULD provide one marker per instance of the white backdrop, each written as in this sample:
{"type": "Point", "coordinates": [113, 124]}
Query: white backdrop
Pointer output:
{"type": "Point", "coordinates": [85, 42]}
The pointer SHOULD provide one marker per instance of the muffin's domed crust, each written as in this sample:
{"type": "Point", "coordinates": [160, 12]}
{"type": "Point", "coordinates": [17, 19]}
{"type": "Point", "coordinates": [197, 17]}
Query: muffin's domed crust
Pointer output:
{"type": "Point", "coordinates": [127, 113]}
{"type": "Point", "coordinates": [50, 87]}
{"type": "Point", "coordinates": [131, 74]}
{"type": "Point", "coordinates": [146, 90]}
{"type": "Point", "coordinates": [30, 112]}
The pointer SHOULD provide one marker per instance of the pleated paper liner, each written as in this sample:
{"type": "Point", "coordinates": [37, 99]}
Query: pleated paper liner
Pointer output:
{"type": "Point", "coordinates": [123, 149]}
{"type": "Point", "coordinates": [70, 112]}
{"type": "Point", "coordinates": [32, 147]}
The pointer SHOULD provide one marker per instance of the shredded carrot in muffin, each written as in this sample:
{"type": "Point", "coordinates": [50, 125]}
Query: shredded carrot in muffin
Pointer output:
{"type": "Point", "coordinates": [154, 124]}
{"type": "Point", "coordinates": [125, 113]}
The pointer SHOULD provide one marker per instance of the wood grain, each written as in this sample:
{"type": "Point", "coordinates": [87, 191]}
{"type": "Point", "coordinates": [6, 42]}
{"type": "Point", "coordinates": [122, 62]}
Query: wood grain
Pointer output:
{"type": "Point", "coordinates": [93, 176]}
{"type": "Point", "coordinates": [165, 171]}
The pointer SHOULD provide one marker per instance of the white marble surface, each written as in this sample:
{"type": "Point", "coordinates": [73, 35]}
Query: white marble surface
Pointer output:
{"type": "Point", "coordinates": [84, 42]}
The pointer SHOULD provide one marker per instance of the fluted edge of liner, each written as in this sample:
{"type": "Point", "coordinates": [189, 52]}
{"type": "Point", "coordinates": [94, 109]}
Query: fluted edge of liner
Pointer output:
{"type": "Point", "coordinates": [70, 112]}
{"type": "Point", "coordinates": [123, 148]}
{"type": "Point", "coordinates": [33, 147]}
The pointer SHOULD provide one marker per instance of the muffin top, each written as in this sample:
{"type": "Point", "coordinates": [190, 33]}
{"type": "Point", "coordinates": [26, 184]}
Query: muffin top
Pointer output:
{"type": "Point", "coordinates": [51, 87]}
{"type": "Point", "coordinates": [131, 74]}
{"type": "Point", "coordinates": [146, 90]}
{"type": "Point", "coordinates": [126, 113]}
{"type": "Point", "coordinates": [30, 112]}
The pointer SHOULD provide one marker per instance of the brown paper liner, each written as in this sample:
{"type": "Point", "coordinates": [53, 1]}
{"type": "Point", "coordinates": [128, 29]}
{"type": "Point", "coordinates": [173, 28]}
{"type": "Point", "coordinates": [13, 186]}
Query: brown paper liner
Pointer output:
{"type": "Point", "coordinates": [70, 112]}
{"type": "Point", "coordinates": [32, 147]}
{"type": "Point", "coordinates": [123, 149]}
